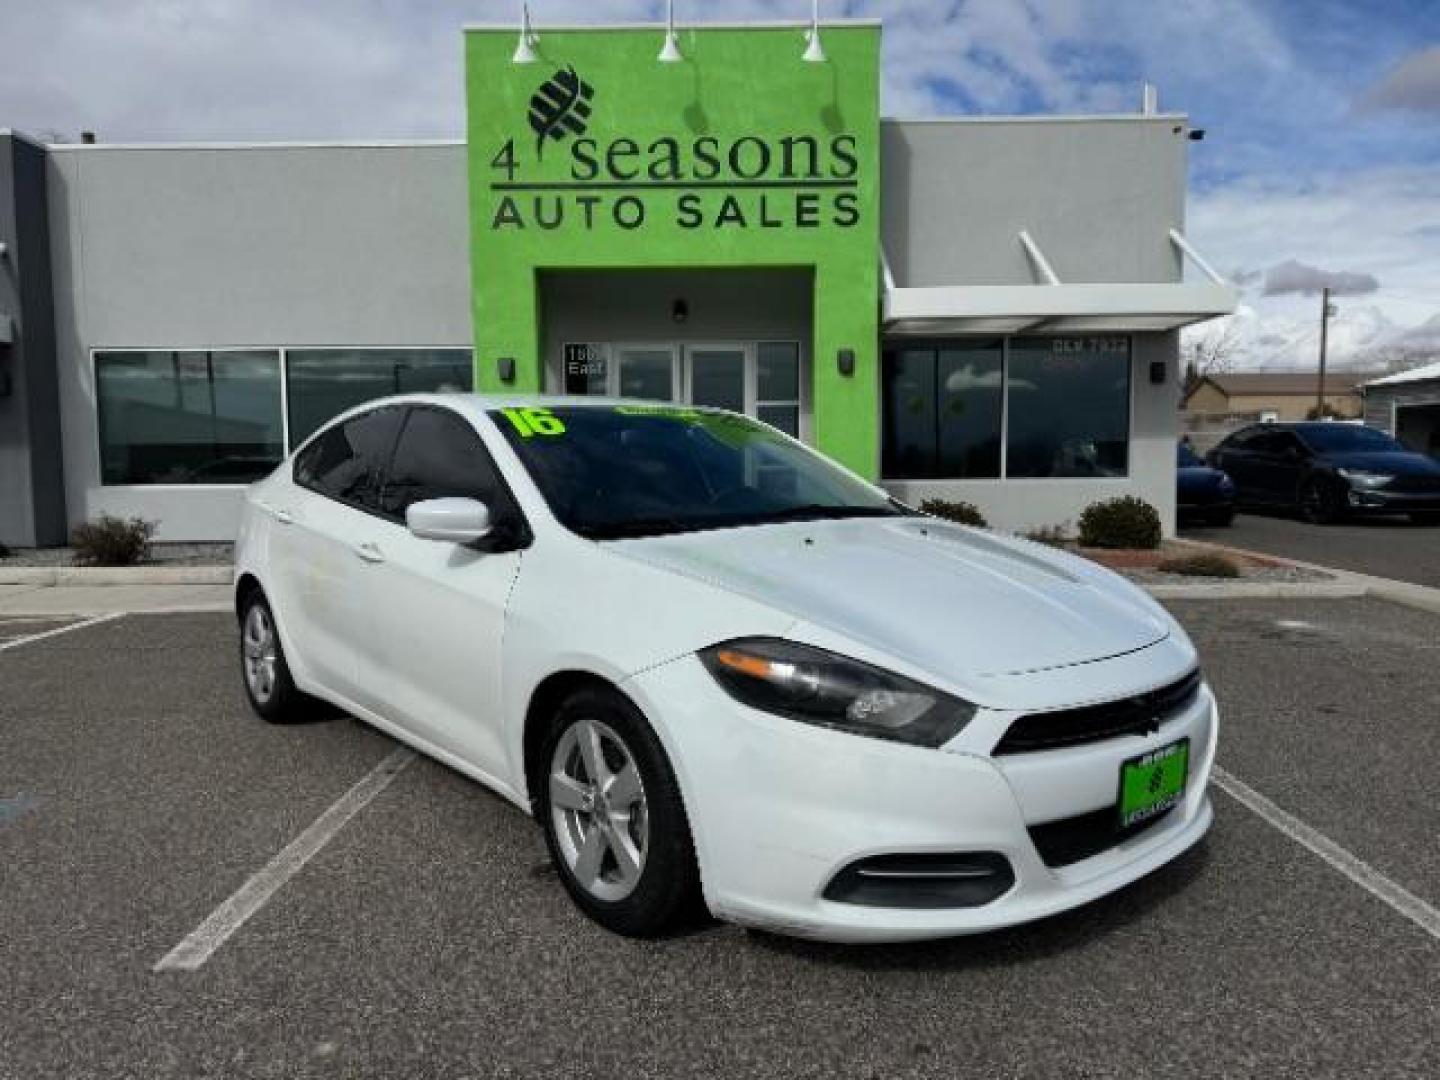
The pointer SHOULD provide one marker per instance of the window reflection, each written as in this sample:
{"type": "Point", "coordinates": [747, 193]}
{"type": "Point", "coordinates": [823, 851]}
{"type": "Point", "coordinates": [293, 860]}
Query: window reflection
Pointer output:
{"type": "Point", "coordinates": [188, 417]}
{"type": "Point", "coordinates": [322, 383]}
{"type": "Point", "coordinates": [942, 411]}
{"type": "Point", "coordinates": [1069, 406]}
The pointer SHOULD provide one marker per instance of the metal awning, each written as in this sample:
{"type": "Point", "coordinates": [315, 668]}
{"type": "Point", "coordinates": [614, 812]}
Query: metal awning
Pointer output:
{"type": "Point", "coordinates": [1055, 306]}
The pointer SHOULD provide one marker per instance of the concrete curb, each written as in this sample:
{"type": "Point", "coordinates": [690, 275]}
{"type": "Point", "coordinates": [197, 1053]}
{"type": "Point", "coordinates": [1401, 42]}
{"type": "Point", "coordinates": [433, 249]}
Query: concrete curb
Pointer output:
{"type": "Point", "coordinates": [1256, 590]}
{"type": "Point", "coordinates": [116, 575]}
{"type": "Point", "coordinates": [1346, 584]}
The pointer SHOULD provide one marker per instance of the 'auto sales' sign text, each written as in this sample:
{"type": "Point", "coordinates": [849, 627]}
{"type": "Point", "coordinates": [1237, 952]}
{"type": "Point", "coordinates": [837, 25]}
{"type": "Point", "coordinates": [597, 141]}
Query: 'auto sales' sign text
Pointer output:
{"type": "Point", "coordinates": [787, 181]}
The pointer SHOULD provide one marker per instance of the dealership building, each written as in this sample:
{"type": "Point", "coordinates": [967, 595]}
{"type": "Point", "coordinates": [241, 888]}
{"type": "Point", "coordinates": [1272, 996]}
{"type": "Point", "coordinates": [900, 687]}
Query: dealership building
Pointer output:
{"type": "Point", "coordinates": [976, 308]}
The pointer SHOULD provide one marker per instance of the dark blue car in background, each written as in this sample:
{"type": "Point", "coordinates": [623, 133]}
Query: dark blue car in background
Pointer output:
{"type": "Point", "coordinates": [1203, 492]}
{"type": "Point", "coordinates": [1329, 470]}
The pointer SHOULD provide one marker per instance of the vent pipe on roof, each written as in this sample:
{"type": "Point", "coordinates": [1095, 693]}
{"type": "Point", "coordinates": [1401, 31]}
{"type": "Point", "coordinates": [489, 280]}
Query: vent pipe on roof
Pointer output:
{"type": "Point", "coordinates": [1150, 100]}
{"type": "Point", "coordinates": [88, 138]}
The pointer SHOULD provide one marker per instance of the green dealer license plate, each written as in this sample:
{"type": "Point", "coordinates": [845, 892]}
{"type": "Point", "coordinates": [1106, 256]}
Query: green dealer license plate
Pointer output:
{"type": "Point", "coordinates": [1152, 783]}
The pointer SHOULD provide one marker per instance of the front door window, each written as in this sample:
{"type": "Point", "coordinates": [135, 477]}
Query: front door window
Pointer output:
{"type": "Point", "coordinates": [647, 372]}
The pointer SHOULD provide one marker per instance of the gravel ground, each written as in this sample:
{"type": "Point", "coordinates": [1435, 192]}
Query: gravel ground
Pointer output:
{"type": "Point", "coordinates": [160, 555]}
{"type": "Point", "coordinates": [1247, 573]}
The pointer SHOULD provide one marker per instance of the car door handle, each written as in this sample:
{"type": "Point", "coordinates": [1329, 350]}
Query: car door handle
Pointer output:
{"type": "Point", "coordinates": [369, 552]}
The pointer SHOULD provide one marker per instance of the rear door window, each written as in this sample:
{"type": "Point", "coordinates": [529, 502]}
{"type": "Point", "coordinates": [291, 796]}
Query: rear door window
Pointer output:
{"type": "Point", "coordinates": [440, 456]}
{"type": "Point", "coordinates": [347, 462]}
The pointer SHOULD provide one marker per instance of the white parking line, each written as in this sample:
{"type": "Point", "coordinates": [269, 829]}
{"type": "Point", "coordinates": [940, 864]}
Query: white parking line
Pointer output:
{"type": "Point", "coordinates": [1358, 871]}
{"type": "Point", "coordinates": [202, 942]}
{"type": "Point", "coordinates": [81, 625]}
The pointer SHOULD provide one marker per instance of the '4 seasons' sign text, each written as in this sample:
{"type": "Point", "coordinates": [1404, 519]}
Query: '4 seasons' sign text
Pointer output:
{"type": "Point", "coordinates": [788, 181]}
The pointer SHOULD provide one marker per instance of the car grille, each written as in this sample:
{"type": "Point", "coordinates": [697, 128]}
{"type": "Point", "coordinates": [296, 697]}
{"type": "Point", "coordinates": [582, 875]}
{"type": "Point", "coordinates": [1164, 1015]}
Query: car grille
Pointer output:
{"type": "Point", "coordinates": [1138, 715]}
{"type": "Point", "coordinates": [1070, 840]}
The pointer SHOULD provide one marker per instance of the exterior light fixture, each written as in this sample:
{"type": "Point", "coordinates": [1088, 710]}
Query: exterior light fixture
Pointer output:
{"type": "Point", "coordinates": [814, 51]}
{"type": "Point", "coordinates": [505, 368]}
{"type": "Point", "coordinates": [679, 310]}
{"type": "Point", "coordinates": [670, 52]}
{"type": "Point", "coordinates": [525, 47]}
{"type": "Point", "coordinates": [845, 362]}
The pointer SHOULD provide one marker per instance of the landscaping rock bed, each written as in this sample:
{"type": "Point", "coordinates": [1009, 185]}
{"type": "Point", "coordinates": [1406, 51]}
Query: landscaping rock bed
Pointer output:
{"type": "Point", "coordinates": [160, 555]}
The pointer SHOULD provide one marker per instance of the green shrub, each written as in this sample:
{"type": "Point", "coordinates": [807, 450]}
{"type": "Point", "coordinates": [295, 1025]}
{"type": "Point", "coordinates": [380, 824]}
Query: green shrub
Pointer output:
{"type": "Point", "coordinates": [1126, 522]}
{"type": "Point", "coordinates": [1050, 535]}
{"type": "Point", "coordinates": [1207, 564]}
{"type": "Point", "coordinates": [962, 513]}
{"type": "Point", "coordinates": [112, 541]}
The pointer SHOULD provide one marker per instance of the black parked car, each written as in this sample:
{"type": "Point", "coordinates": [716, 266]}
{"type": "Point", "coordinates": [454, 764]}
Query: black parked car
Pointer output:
{"type": "Point", "coordinates": [1201, 491]}
{"type": "Point", "coordinates": [1327, 470]}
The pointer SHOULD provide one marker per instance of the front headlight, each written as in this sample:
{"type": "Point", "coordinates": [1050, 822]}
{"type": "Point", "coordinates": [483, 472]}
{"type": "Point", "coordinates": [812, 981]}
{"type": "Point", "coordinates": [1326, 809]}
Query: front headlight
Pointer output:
{"type": "Point", "coordinates": [818, 687]}
{"type": "Point", "coordinates": [1363, 479]}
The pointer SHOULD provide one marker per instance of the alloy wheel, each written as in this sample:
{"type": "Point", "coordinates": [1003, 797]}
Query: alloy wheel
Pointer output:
{"type": "Point", "coordinates": [262, 653]}
{"type": "Point", "coordinates": [598, 810]}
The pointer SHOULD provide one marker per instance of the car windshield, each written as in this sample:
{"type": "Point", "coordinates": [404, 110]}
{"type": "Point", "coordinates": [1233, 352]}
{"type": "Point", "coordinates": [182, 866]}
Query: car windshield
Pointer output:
{"type": "Point", "coordinates": [646, 470]}
{"type": "Point", "coordinates": [1187, 457]}
{"type": "Point", "coordinates": [1347, 438]}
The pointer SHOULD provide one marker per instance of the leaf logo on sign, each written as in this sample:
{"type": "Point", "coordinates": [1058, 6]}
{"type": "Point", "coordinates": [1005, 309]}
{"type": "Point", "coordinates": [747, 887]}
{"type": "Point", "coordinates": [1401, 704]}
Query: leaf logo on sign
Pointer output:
{"type": "Point", "coordinates": [560, 107]}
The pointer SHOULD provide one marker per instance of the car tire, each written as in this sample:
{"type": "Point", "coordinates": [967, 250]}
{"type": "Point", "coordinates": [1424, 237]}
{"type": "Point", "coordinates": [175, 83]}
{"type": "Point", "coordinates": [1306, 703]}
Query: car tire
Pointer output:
{"type": "Point", "coordinates": [1322, 502]}
{"type": "Point", "coordinates": [263, 667]}
{"type": "Point", "coordinates": [1222, 518]}
{"type": "Point", "coordinates": [644, 881]}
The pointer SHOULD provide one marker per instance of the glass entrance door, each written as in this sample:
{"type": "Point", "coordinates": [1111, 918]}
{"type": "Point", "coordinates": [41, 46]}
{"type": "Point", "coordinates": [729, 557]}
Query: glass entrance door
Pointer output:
{"type": "Point", "coordinates": [717, 376]}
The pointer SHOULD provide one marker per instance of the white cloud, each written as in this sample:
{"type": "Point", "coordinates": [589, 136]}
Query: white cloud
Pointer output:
{"type": "Point", "coordinates": [1413, 84]}
{"type": "Point", "coordinates": [1291, 276]}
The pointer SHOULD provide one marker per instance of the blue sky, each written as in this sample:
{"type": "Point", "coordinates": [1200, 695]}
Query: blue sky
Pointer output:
{"type": "Point", "coordinates": [1322, 153]}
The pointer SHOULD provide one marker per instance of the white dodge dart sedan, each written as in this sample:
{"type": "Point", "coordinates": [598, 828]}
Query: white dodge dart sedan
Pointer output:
{"type": "Point", "coordinates": [717, 667]}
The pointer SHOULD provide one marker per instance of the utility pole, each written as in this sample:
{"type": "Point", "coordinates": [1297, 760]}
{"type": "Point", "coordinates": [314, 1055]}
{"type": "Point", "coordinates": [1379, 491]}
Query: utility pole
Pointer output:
{"type": "Point", "coordinates": [1326, 310]}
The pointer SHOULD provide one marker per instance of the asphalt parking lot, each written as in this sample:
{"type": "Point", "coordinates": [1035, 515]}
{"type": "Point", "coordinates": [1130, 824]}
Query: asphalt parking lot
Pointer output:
{"type": "Point", "coordinates": [428, 938]}
{"type": "Point", "coordinates": [1390, 547]}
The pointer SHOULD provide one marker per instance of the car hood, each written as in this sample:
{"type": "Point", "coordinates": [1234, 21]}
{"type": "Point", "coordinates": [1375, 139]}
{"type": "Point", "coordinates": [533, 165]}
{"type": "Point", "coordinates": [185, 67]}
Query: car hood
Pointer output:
{"type": "Point", "coordinates": [950, 600]}
{"type": "Point", "coordinates": [1395, 462]}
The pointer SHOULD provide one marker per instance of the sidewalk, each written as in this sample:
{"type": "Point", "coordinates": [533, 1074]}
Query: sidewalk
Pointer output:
{"type": "Point", "coordinates": [74, 599]}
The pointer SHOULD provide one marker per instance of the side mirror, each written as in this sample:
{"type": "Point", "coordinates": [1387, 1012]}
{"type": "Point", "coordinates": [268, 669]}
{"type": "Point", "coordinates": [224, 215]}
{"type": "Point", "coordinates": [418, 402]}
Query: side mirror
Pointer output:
{"type": "Point", "coordinates": [459, 521]}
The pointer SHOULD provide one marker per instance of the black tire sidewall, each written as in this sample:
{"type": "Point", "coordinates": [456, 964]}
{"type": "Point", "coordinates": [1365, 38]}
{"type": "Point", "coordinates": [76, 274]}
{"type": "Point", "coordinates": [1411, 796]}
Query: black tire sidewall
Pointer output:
{"type": "Point", "coordinates": [669, 884]}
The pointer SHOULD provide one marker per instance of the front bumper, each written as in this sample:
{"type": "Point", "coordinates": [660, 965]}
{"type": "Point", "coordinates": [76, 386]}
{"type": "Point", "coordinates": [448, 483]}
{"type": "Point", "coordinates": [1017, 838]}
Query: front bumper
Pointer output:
{"type": "Point", "coordinates": [778, 808]}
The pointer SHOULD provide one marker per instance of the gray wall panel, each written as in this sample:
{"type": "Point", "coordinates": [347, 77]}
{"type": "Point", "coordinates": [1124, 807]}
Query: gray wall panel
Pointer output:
{"type": "Point", "coordinates": [1096, 195]}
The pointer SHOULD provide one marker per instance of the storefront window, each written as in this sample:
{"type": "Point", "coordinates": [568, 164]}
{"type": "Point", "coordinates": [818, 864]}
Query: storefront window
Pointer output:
{"type": "Point", "coordinates": [1061, 406]}
{"type": "Point", "coordinates": [1069, 406]}
{"type": "Point", "coordinates": [322, 383]}
{"type": "Point", "coordinates": [188, 417]}
{"type": "Point", "coordinates": [943, 411]}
